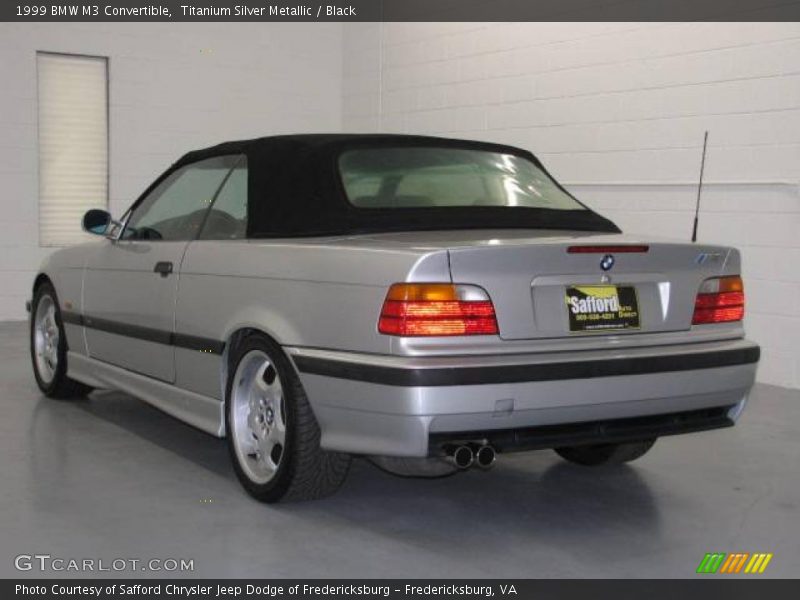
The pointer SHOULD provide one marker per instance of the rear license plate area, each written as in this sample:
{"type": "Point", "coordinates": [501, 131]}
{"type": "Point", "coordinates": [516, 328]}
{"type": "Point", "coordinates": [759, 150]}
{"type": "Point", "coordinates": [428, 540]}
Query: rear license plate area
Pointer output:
{"type": "Point", "coordinates": [593, 308]}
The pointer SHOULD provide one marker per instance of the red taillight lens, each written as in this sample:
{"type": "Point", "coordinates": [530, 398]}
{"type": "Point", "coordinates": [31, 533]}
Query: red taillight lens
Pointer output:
{"type": "Point", "coordinates": [434, 309]}
{"type": "Point", "coordinates": [720, 300]}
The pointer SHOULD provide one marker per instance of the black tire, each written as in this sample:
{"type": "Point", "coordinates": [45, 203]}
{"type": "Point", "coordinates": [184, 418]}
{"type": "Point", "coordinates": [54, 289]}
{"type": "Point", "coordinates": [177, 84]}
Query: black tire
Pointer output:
{"type": "Point", "coordinates": [305, 472]}
{"type": "Point", "coordinates": [605, 454]}
{"type": "Point", "coordinates": [60, 386]}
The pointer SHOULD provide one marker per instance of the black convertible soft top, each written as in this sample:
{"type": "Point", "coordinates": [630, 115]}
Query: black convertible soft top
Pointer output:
{"type": "Point", "coordinates": [295, 189]}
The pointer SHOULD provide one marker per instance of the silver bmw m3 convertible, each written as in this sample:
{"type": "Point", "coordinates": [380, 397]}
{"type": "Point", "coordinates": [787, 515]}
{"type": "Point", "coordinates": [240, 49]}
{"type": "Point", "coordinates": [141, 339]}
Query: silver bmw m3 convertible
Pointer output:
{"type": "Point", "coordinates": [430, 304]}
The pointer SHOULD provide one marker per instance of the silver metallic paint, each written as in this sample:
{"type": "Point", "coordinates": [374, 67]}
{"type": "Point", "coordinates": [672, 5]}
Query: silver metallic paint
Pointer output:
{"type": "Point", "coordinates": [195, 409]}
{"type": "Point", "coordinates": [388, 420]}
{"type": "Point", "coordinates": [324, 295]}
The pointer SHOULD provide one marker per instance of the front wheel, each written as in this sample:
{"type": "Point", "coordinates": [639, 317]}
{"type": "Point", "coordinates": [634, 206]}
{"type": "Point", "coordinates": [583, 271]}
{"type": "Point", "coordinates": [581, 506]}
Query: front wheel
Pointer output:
{"type": "Point", "coordinates": [49, 347]}
{"type": "Point", "coordinates": [605, 454]}
{"type": "Point", "coordinates": [273, 437]}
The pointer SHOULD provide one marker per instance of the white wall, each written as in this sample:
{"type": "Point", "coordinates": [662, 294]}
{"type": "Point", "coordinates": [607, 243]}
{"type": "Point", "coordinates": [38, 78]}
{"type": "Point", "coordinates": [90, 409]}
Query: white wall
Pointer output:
{"type": "Point", "coordinates": [617, 112]}
{"type": "Point", "coordinates": [174, 87]}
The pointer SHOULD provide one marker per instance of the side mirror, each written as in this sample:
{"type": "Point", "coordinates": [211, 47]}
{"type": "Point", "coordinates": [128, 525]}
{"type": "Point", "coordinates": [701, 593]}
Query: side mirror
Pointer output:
{"type": "Point", "coordinates": [96, 221]}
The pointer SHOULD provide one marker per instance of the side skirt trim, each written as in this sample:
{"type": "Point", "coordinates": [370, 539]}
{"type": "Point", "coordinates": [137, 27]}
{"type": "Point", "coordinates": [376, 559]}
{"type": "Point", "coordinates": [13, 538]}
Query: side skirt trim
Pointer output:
{"type": "Point", "coordinates": [203, 412]}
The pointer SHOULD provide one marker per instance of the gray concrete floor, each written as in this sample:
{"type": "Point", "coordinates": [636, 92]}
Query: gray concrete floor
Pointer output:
{"type": "Point", "coordinates": [110, 477]}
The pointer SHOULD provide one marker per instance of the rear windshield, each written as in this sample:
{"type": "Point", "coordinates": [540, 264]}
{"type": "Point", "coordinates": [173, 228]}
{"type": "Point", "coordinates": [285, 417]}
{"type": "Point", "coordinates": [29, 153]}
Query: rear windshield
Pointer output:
{"type": "Point", "coordinates": [447, 177]}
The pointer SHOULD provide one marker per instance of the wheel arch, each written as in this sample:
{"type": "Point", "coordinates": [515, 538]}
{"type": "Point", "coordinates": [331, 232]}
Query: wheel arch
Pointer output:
{"type": "Point", "coordinates": [40, 280]}
{"type": "Point", "coordinates": [235, 337]}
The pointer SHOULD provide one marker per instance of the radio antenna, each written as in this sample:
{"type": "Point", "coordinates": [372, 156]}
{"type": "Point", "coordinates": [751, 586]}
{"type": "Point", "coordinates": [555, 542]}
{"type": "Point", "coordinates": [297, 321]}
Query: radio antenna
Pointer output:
{"type": "Point", "coordinates": [699, 188]}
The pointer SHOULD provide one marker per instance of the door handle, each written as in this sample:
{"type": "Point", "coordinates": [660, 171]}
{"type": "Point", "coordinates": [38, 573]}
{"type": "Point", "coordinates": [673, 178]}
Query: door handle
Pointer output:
{"type": "Point", "coordinates": [164, 268]}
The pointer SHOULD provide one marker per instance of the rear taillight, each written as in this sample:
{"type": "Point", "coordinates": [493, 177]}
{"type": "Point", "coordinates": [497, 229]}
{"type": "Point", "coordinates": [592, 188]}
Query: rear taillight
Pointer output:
{"type": "Point", "coordinates": [437, 309]}
{"type": "Point", "coordinates": [719, 300]}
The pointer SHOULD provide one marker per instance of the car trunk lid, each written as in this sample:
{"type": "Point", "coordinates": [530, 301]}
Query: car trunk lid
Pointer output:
{"type": "Point", "coordinates": [558, 285]}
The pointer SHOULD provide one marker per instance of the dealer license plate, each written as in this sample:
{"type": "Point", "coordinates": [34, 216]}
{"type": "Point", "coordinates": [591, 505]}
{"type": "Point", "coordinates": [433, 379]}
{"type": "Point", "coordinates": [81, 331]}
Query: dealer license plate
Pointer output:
{"type": "Point", "coordinates": [602, 307]}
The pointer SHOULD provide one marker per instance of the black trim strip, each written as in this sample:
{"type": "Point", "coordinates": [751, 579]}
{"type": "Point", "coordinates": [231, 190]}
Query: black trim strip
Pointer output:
{"type": "Point", "coordinates": [193, 342]}
{"type": "Point", "coordinates": [71, 318]}
{"type": "Point", "coordinates": [410, 377]}
{"type": "Point", "coordinates": [592, 432]}
{"type": "Point", "coordinates": [148, 334]}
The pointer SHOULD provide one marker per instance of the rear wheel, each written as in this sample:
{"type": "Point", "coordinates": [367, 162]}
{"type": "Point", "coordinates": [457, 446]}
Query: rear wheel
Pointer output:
{"type": "Point", "coordinates": [49, 347]}
{"type": "Point", "coordinates": [273, 437]}
{"type": "Point", "coordinates": [605, 454]}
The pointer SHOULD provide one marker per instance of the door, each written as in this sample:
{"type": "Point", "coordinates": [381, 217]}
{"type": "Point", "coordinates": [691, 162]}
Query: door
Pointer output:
{"type": "Point", "coordinates": [204, 291]}
{"type": "Point", "coordinates": [130, 283]}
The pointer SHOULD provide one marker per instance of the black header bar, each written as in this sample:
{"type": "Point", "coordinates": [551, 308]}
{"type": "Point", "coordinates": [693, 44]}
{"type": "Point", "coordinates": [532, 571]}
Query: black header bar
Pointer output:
{"type": "Point", "coordinates": [400, 10]}
{"type": "Point", "coordinates": [706, 587]}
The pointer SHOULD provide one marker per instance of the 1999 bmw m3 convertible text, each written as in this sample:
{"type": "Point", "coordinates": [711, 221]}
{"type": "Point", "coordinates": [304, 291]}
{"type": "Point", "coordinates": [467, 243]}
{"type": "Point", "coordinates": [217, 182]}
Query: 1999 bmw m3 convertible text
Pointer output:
{"type": "Point", "coordinates": [424, 302]}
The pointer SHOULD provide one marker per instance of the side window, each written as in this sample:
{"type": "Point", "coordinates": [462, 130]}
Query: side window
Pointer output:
{"type": "Point", "coordinates": [227, 219]}
{"type": "Point", "coordinates": [176, 208]}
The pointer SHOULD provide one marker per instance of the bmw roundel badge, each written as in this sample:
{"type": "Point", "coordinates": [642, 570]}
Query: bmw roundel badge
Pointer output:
{"type": "Point", "coordinates": [607, 262]}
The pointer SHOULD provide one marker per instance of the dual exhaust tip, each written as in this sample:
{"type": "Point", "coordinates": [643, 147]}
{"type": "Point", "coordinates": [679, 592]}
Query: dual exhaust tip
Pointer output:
{"type": "Point", "coordinates": [466, 455]}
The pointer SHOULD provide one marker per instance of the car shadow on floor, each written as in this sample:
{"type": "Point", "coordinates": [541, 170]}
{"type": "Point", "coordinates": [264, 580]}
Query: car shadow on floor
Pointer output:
{"type": "Point", "coordinates": [524, 494]}
{"type": "Point", "coordinates": [148, 423]}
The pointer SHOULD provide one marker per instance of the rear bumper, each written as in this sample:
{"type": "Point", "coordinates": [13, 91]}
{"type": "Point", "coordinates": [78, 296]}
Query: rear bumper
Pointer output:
{"type": "Point", "coordinates": [409, 406]}
{"type": "Point", "coordinates": [593, 432]}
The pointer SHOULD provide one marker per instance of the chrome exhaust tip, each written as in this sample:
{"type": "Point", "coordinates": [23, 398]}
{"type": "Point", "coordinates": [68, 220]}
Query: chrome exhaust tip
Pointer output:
{"type": "Point", "coordinates": [485, 457]}
{"type": "Point", "coordinates": [461, 456]}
